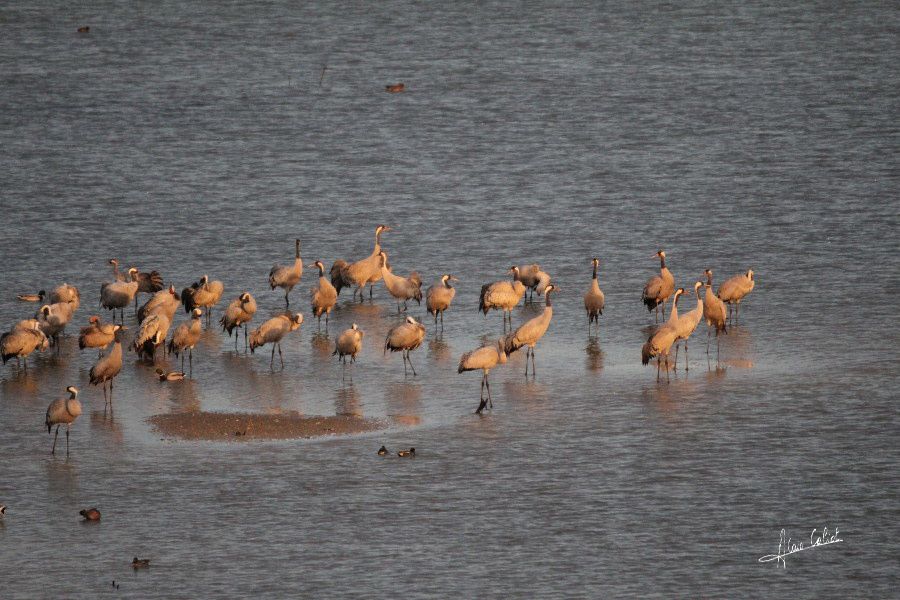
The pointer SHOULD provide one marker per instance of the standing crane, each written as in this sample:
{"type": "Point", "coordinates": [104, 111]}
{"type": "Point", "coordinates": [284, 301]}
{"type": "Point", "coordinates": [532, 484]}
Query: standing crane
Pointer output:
{"type": "Point", "coordinates": [593, 299]}
{"type": "Point", "coordinates": [733, 291]}
{"type": "Point", "coordinates": [63, 411]}
{"type": "Point", "coordinates": [714, 312]}
{"type": "Point", "coordinates": [659, 287]}
{"type": "Point", "coordinates": [484, 359]}
{"type": "Point", "coordinates": [287, 276]}
{"type": "Point", "coordinates": [439, 296]}
{"type": "Point", "coordinates": [531, 331]}
{"type": "Point", "coordinates": [405, 338]}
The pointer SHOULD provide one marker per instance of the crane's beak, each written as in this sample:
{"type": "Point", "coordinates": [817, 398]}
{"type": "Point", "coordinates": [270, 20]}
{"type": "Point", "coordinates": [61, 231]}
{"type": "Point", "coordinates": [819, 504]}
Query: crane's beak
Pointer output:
{"type": "Point", "coordinates": [454, 278]}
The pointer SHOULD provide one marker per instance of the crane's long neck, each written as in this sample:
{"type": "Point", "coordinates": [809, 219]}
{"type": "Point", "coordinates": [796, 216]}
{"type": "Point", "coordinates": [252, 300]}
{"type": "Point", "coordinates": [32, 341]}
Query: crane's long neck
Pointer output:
{"type": "Point", "coordinates": [709, 279]}
{"type": "Point", "coordinates": [595, 273]}
{"type": "Point", "coordinates": [549, 304]}
{"type": "Point", "coordinates": [377, 242]}
{"type": "Point", "coordinates": [297, 250]}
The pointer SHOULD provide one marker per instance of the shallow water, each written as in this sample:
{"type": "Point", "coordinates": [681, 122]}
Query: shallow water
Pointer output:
{"type": "Point", "coordinates": [198, 139]}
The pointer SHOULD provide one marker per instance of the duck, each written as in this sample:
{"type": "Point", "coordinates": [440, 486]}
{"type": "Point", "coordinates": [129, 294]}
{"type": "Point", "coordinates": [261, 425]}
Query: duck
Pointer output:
{"type": "Point", "coordinates": [404, 453]}
{"type": "Point", "coordinates": [396, 87]}
{"type": "Point", "coordinates": [84, 29]}
{"type": "Point", "coordinates": [382, 451]}
{"type": "Point", "coordinates": [140, 563]}
{"type": "Point", "coordinates": [90, 514]}
{"type": "Point", "coordinates": [170, 376]}
{"type": "Point", "coordinates": [39, 297]}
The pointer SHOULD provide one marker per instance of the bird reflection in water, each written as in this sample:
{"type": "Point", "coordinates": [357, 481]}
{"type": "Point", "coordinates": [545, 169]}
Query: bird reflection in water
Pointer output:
{"type": "Point", "coordinates": [438, 349]}
{"type": "Point", "coordinates": [103, 420]}
{"type": "Point", "coordinates": [347, 402]}
{"type": "Point", "coordinates": [322, 345]}
{"type": "Point", "coordinates": [62, 481]}
{"type": "Point", "coordinates": [404, 403]}
{"type": "Point", "coordinates": [594, 354]}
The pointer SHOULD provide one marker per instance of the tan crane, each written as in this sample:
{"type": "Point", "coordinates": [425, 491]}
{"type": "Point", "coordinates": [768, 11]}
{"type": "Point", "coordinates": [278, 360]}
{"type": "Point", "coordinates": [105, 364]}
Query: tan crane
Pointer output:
{"type": "Point", "coordinates": [405, 338]}
{"type": "Point", "coordinates": [238, 313]}
{"type": "Point", "coordinates": [63, 411]}
{"type": "Point", "coordinates": [323, 296]}
{"type": "Point", "coordinates": [529, 333]}
{"type": "Point", "coordinates": [484, 359]}
{"type": "Point", "coordinates": [287, 276]}
{"type": "Point", "coordinates": [593, 299]}
{"type": "Point", "coordinates": [438, 297]}
{"type": "Point", "coordinates": [714, 312]}
{"type": "Point", "coordinates": [272, 332]}
{"type": "Point", "coordinates": [659, 287]}
{"type": "Point", "coordinates": [733, 291]}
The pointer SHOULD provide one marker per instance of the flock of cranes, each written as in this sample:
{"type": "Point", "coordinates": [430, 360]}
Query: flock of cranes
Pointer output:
{"type": "Point", "coordinates": [156, 318]}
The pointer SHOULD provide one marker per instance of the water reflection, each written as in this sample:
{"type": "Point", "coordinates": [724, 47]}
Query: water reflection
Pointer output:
{"type": "Point", "coordinates": [347, 402]}
{"type": "Point", "coordinates": [103, 420]}
{"type": "Point", "coordinates": [404, 402]}
{"type": "Point", "coordinates": [594, 360]}
{"type": "Point", "coordinates": [62, 476]}
{"type": "Point", "coordinates": [322, 345]}
{"type": "Point", "coordinates": [439, 350]}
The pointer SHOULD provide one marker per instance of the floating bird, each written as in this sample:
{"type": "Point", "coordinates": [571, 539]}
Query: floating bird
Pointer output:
{"type": "Point", "coordinates": [381, 452]}
{"type": "Point", "coordinates": [186, 337]}
{"type": "Point", "coordinates": [349, 343]}
{"type": "Point", "coordinates": [659, 287]}
{"type": "Point", "coordinates": [84, 29]}
{"type": "Point", "coordinates": [395, 88]}
{"type": "Point", "coordinates": [97, 334]}
{"type": "Point", "coordinates": [287, 276]}
{"type": "Point", "coordinates": [39, 297]}
{"type": "Point", "coordinates": [63, 411]}
{"type": "Point", "coordinates": [3, 507]}
{"type": "Point", "coordinates": [118, 294]}
{"type": "Point", "coordinates": [484, 359]}
{"type": "Point", "coordinates": [401, 288]}
{"type": "Point", "coordinates": [151, 334]}
{"type": "Point", "coordinates": [405, 338]}
{"type": "Point", "coordinates": [202, 294]}
{"type": "Point", "coordinates": [68, 294]}
{"type": "Point", "coordinates": [714, 312]}
{"type": "Point", "coordinates": [593, 299]}
{"type": "Point", "coordinates": [140, 563]}
{"type": "Point", "coordinates": [407, 453]}
{"type": "Point", "coordinates": [272, 331]}
{"type": "Point", "coordinates": [323, 295]}
{"type": "Point", "coordinates": [733, 291]}
{"type": "Point", "coordinates": [23, 339]}
{"type": "Point", "coordinates": [366, 271]}
{"type": "Point", "coordinates": [90, 514]}
{"type": "Point", "coordinates": [238, 314]}
{"type": "Point", "coordinates": [660, 342]}
{"type": "Point", "coordinates": [502, 295]}
{"type": "Point", "coordinates": [164, 301]}
{"type": "Point", "coordinates": [687, 324]}
{"type": "Point", "coordinates": [108, 367]}
{"type": "Point", "coordinates": [439, 296]}
{"type": "Point", "coordinates": [529, 333]}
{"type": "Point", "coordinates": [169, 376]}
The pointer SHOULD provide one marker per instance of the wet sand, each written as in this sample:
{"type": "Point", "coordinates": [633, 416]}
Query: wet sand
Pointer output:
{"type": "Point", "coordinates": [247, 426]}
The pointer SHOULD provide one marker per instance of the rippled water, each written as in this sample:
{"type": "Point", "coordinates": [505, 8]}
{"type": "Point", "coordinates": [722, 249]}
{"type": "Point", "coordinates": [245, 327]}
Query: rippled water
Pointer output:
{"type": "Point", "coordinates": [203, 137]}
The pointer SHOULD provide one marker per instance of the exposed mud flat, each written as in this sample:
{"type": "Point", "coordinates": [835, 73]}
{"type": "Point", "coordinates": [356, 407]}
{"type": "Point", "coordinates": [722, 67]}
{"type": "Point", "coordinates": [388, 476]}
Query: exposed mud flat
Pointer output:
{"type": "Point", "coordinates": [258, 426]}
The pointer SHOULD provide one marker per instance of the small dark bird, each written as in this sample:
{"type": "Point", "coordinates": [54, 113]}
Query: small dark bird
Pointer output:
{"type": "Point", "coordinates": [382, 451]}
{"type": "Point", "coordinates": [39, 297]}
{"type": "Point", "coordinates": [140, 563]}
{"type": "Point", "coordinates": [396, 87]}
{"type": "Point", "coordinates": [170, 376]}
{"type": "Point", "coordinates": [2, 510]}
{"type": "Point", "coordinates": [84, 29]}
{"type": "Point", "coordinates": [90, 514]}
{"type": "Point", "coordinates": [411, 452]}
{"type": "Point", "coordinates": [114, 584]}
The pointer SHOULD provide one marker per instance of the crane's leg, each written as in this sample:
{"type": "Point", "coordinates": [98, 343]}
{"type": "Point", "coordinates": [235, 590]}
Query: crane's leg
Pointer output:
{"type": "Point", "coordinates": [527, 354]}
{"type": "Point", "coordinates": [533, 367]}
{"type": "Point", "coordinates": [272, 360]}
{"type": "Point", "coordinates": [280, 355]}
{"type": "Point", "coordinates": [67, 439]}
{"type": "Point", "coordinates": [110, 395]}
{"type": "Point", "coordinates": [53, 449]}
{"type": "Point", "coordinates": [482, 402]}
{"type": "Point", "coordinates": [371, 288]}
{"type": "Point", "coordinates": [687, 364]}
{"type": "Point", "coordinates": [327, 314]}
{"type": "Point", "coordinates": [442, 320]}
{"type": "Point", "coordinates": [191, 360]}
{"type": "Point", "coordinates": [487, 384]}
{"type": "Point", "coordinates": [658, 359]}
{"type": "Point", "coordinates": [410, 364]}
{"type": "Point", "coordinates": [245, 337]}
{"type": "Point", "coordinates": [403, 355]}
{"type": "Point", "coordinates": [676, 357]}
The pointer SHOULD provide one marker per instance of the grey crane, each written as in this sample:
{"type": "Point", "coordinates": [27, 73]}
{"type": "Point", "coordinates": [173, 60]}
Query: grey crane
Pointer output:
{"type": "Point", "coordinates": [502, 295]}
{"type": "Point", "coordinates": [202, 294]}
{"type": "Point", "coordinates": [659, 287]}
{"type": "Point", "coordinates": [68, 294]}
{"type": "Point", "coordinates": [401, 288]}
{"type": "Point", "coordinates": [151, 334]}
{"type": "Point", "coordinates": [529, 333]}
{"type": "Point", "coordinates": [660, 342]}
{"type": "Point", "coordinates": [97, 334]}
{"type": "Point", "coordinates": [287, 276]}
{"type": "Point", "coordinates": [108, 367]}
{"type": "Point", "coordinates": [24, 338]}
{"type": "Point", "coordinates": [164, 301]}
{"type": "Point", "coordinates": [732, 291]}
{"type": "Point", "coordinates": [272, 332]}
{"type": "Point", "coordinates": [118, 294]}
{"type": "Point", "coordinates": [438, 297]}
{"type": "Point", "coordinates": [593, 299]}
{"type": "Point", "coordinates": [714, 312]}
{"type": "Point", "coordinates": [366, 271]}
{"type": "Point", "coordinates": [186, 337]}
{"type": "Point", "coordinates": [238, 313]}
{"type": "Point", "coordinates": [484, 359]}
{"type": "Point", "coordinates": [63, 411]}
{"type": "Point", "coordinates": [687, 324]}
{"type": "Point", "coordinates": [405, 338]}
{"type": "Point", "coordinates": [323, 296]}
